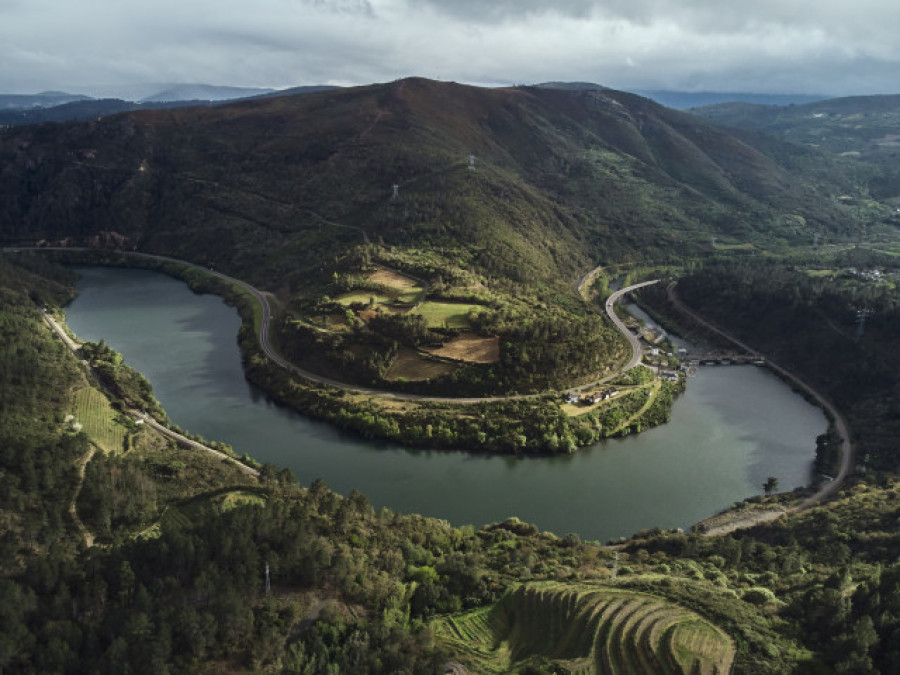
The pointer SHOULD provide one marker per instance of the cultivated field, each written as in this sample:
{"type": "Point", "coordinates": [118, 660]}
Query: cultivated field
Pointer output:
{"type": "Point", "coordinates": [363, 297]}
{"type": "Point", "coordinates": [446, 314]}
{"type": "Point", "coordinates": [410, 366]}
{"type": "Point", "coordinates": [408, 290]}
{"type": "Point", "coordinates": [98, 420]}
{"type": "Point", "coordinates": [585, 630]}
{"type": "Point", "coordinates": [470, 347]}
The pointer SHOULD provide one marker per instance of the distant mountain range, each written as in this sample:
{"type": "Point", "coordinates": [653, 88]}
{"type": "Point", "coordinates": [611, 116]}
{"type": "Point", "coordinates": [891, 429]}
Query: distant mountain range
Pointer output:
{"type": "Point", "coordinates": [203, 92]}
{"type": "Point", "coordinates": [18, 109]}
{"type": "Point", "coordinates": [691, 99]}
{"type": "Point", "coordinates": [55, 106]}
{"type": "Point", "coordinates": [47, 99]}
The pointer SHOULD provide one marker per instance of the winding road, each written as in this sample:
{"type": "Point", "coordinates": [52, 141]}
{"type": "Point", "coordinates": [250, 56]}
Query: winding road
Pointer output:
{"type": "Point", "coordinates": [270, 352]}
{"type": "Point", "coordinates": [633, 340]}
{"type": "Point", "coordinates": [263, 336]}
{"type": "Point", "coordinates": [840, 423]}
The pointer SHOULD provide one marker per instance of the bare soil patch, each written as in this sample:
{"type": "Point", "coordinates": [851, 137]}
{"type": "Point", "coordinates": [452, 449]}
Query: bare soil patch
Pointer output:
{"type": "Point", "coordinates": [410, 366]}
{"type": "Point", "coordinates": [393, 279]}
{"type": "Point", "coordinates": [470, 347]}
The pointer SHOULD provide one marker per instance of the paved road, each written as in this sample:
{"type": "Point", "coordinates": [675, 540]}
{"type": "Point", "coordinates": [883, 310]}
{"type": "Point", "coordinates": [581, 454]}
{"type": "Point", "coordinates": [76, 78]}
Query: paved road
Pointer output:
{"type": "Point", "coordinates": [840, 424]}
{"type": "Point", "coordinates": [267, 348]}
{"type": "Point", "coordinates": [175, 436]}
{"type": "Point", "coordinates": [633, 340]}
{"type": "Point", "coordinates": [146, 419]}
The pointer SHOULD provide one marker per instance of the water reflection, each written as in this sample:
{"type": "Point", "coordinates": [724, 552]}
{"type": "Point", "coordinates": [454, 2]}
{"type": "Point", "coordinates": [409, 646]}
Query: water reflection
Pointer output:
{"type": "Point", "coordinates": [734, 427]}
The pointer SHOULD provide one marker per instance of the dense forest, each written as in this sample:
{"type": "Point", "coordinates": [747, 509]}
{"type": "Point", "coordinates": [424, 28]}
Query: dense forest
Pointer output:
{"type": "Point", "coordinates": [123, 551]}
{"type": "Point", "coordinates": [196, 567]}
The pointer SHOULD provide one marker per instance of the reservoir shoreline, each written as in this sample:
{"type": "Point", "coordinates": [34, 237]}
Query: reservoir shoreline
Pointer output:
{"type": "Point", "coordinates": [606, 491]}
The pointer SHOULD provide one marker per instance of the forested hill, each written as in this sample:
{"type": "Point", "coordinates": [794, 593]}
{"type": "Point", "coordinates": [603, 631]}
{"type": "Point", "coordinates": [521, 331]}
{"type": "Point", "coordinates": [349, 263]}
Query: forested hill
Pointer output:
{"type": "Point", "coordinates": [561, 178]}
{"type": "Point", "coordinates": [861, 127]}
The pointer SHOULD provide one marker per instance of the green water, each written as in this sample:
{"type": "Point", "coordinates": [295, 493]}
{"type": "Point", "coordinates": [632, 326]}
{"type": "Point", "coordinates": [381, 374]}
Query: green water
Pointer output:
{"type": "Point", "coordinates": [734, 427]}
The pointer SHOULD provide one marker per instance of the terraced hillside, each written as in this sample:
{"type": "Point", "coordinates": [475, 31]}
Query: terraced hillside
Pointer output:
{"type": "Point", "coordinates": [586, 630]}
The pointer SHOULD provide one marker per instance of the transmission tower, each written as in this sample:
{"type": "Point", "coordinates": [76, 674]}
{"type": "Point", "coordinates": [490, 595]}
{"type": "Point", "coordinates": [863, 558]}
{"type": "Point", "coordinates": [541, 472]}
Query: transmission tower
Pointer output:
{"type": "Point", "coordinates": [471, 161]}
{"type": "Point", "coordinates": [396, 191]}
{"type": "Point", "coordinates": [861, 316]}
{"type": "Point", "coordinates": [268, 583]}
{"type": "Point", "coordinates": [816, 236]}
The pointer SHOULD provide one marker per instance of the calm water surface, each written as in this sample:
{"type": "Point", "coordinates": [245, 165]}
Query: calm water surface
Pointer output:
{"type": "Point", "coordinates": [734, 427]}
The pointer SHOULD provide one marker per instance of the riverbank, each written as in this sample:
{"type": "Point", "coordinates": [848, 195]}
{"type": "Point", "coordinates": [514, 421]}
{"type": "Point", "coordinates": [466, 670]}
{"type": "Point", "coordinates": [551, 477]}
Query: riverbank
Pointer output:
{"type": "Point", "coordinates": [719, 447]}
{"type": "Point", "coordinates": [837, 419]}
{"type": "Point", "coordinates": [518, 424]}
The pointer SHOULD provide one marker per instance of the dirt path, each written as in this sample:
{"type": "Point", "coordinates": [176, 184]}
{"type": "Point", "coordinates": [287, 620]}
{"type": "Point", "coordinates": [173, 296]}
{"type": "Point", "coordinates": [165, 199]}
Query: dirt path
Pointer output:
{"type": "Point", "coordinates": [652, 392]}
{"type": "Point", "coordinates": [73, 510]}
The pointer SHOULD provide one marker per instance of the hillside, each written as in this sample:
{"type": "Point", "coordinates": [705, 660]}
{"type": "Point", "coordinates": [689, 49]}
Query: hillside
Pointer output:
{"type": "Point", "coordinates": [157, 559]}
{"type": "Point", "coordinates": [861, 127]}
{"type": "Point", "coordinates": [296, 194]}
{"type": "Point", "coordinates": [563, 178]}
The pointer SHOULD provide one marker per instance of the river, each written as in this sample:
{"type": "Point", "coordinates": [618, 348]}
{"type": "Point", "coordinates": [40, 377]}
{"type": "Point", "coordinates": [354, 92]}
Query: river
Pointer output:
{"type": "Point", "coordinates": [733, 427]}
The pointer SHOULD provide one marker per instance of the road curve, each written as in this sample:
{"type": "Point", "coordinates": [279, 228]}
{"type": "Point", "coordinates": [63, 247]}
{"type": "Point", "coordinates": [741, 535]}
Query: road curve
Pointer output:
{"type": "Point", "coordinates": [633, 340]}
{"type": "Point", "coordinates": [840, 423]}
{"type": "Point", "coordinates": [274, 356]}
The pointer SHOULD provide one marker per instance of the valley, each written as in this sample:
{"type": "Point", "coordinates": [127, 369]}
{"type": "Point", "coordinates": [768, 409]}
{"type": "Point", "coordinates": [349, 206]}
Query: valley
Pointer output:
{"type": "Point", "coordinates": [449, 312]}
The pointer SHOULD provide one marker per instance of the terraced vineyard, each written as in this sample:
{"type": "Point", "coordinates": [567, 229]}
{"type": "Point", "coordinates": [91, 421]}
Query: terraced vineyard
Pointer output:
{"type": "Point", "coordinates": [586, 630]}
{"type": "Point", "coordinates": [98, 420]}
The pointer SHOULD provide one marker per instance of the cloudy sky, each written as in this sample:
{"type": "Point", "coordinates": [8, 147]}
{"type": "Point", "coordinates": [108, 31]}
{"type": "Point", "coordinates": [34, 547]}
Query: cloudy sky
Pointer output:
{"type": "Point", "coordinates": [833, 47]}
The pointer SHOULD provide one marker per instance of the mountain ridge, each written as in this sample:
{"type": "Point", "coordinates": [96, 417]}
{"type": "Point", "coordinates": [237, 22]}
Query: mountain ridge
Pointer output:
{"type": "Point", "coordinates": [611, 170]}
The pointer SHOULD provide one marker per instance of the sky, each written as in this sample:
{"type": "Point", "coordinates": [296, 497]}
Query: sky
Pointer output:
{"type": "Point", "coordinates": [105, 47]}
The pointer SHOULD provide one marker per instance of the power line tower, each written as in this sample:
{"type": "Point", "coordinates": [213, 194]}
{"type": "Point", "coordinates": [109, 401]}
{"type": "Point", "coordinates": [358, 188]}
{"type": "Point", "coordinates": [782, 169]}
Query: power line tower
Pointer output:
{"type": "Point", "coordinates": [471, 161]}
{"type": "Point", "coordinates": [861, 316]}
{"type": "Point", "coordinates": [268, 582]}
{"type": "Point", "coordinates": [396, 191]}
{"type": "Point", "coordinates": [816, 236]}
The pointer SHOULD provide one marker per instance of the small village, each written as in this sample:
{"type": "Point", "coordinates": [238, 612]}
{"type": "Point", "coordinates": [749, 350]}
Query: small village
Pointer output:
{"type": "Point", "coordinates": [667, 361]}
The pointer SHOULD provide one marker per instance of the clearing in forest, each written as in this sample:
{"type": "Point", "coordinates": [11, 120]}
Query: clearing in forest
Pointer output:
{"type": "Point", "coordinates": [411, 366]}
{"type": "Point", "coordinates": [363, 297]}
{"type": "Point", "coordinates": [98, 420]}
{"type": "Point", "coordinates": [408, 290]}
{"type": "Point", "coordinates": [470, 347]}
{"type": "Point", "coordinates": [447, 314]}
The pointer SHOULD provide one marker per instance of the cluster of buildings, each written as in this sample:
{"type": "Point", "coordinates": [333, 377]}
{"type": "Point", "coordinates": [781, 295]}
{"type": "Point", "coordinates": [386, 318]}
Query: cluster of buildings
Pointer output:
{"type": "Point", "coordinates": [591, 398]}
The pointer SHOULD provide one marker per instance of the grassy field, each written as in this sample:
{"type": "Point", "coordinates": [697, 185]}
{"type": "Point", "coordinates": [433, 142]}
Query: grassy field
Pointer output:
{"type": "Point", "coordinates": [408, 290]}
{"type": "Point", "coordinates": [410, 366]}
{"type": "Point", "coordinates": [98, 420]}
{"type": "Point", "coordinates": [586, 629]}
{"type": "Point", "coordinates": [446, 314]}
{"type": "Point", "coordinates": [363, 297]}
{"type": "Point", "coordinates": [470, 347]}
